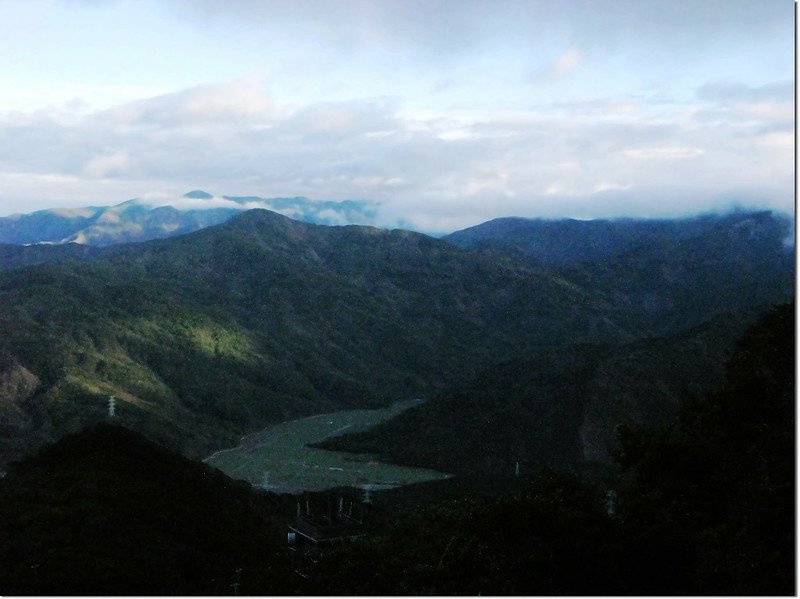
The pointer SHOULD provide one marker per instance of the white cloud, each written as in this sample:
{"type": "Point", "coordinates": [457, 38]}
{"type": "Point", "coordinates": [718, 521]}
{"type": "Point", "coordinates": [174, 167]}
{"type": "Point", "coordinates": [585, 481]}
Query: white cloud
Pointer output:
{"type": "Point", "coordinates": [156, 199]}
{"type": "Point", "coordinates": [670, 153]}
{"type": "Point", "coordinates": [727, 91]}
{"type": "Point", "coordinates": [779, 140]}
{"type": "Point", "coordinates": [609, 186]}
{"type": "Point", "coordinates": [567, 62]}
{"type": "Point", "coordinates": [429, 169]}
{"type": "Point", "coordinates": [766, 111]}
{"type": "Point", "coordinates": [115, 164]}
{"type": "Point", "coordinates": [736, 103]}
{"type": "Point", "coordinates": [331, 216]}
{"type": "Point", "coordinates": [239, 100]}
{"type": "Point", "coordinates": [562, 66]}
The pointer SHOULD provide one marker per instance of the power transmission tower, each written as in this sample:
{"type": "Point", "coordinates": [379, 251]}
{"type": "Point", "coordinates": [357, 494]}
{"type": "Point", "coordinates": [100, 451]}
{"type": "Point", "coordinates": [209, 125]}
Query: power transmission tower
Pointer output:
{"type": "Point", "coordinates": [611, 503]}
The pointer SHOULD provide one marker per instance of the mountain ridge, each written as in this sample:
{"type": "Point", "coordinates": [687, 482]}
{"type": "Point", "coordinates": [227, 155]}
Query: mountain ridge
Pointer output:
{"type": "Point", "coordinates": [265, 318]}
{"type": "Point", "coordinates": [540, 239]}
{"type": "Point", "coordinates": [210, 335]}
{"type": "Point", "coordinates": [143, 219]}
{"type": "Point", "coordinates": [559, 408]}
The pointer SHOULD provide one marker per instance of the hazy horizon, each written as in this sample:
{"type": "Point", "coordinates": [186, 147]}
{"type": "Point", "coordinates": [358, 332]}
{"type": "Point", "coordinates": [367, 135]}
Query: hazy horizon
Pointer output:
{"type": "Point", "coordinates": [443, 114]}
{"type": "Point", "coordinates": [379, 219]}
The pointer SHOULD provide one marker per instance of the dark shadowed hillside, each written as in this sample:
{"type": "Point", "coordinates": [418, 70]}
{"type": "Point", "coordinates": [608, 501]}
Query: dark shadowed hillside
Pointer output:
{"type": "Point", "coordinates": [668, 274]}
{"type": "Point", "coordinates": [569, 242]}
{"type": "Point", "coordinates": [720, 486]}
{"type": "Point", "coordinates": [17, 256]}
{"type": "Point", "coordinates": [559, 409]}
{"type": "Point", "coordinates": [707, 507]}
{"type": "Point", "coordinates": [106, 512]}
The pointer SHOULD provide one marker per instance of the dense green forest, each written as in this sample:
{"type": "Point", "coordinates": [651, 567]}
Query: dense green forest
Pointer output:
{"type": "Point", "coordinates": [559, 408]}
{"type": "Point", "coordinates": [703, 507]}
{"type": "Point", "coordinates": [597, 376]}
{"type": "Point", "coordinates": [664, 273]}
{"type": "Point", "coordinates": [208, 336]}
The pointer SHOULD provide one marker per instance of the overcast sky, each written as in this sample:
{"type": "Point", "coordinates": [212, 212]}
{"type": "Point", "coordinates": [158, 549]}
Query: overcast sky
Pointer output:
{"type": "Point", "coordinates": [447, 113]}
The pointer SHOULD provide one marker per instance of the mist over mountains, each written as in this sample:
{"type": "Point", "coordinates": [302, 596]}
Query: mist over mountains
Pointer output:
{"type": "Point", "coordinates": [553, 241]}
{"type": "Point", "coordinates": [156, 216]}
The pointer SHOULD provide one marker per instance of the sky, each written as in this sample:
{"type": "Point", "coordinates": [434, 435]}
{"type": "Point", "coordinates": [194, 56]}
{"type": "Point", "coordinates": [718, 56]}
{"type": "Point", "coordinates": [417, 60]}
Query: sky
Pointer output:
{"type": "Point", "coordinates": [443, 113]}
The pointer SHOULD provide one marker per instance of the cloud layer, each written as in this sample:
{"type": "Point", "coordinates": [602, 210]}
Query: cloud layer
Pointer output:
{"type": "Point", "coordinates": [443, 114]}
{"type": "Point", "coordinates": [432, 171]}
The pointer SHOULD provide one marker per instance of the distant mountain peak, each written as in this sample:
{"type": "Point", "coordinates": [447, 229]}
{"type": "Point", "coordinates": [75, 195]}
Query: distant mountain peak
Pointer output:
{"type": "Point", "coordinates": [198, 194]}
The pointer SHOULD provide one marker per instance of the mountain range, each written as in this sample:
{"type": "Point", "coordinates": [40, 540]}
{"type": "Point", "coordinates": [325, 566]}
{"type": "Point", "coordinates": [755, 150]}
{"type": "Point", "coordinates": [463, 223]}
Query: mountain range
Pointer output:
{"type": "Point", "coordinates": [667, 272]}
{"type": "Point", "coordinates": [206, 336]}
{"type": "Point", "coordinates": [159, 217]}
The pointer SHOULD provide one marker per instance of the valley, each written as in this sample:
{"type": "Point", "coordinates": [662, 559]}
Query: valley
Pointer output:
{"type": "Point", "coordinates": [555, 368]}
{"type": "Point", "coordinates": [277, 459]}
{"type": "Point", "coordinates": [211, 335]}
{"type": "Point", "coordinates": [107, 512]}
{"type": "Point", "coordinates": [343, 298]}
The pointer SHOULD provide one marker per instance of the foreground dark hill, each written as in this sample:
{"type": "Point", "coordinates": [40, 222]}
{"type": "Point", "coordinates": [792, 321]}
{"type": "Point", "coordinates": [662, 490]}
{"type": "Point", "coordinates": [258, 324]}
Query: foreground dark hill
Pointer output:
{"type": "Point", "coordinates": [716, 494]}
{"type": "Point", "coordinates": [559, 409]}
{"type": "Point", "coordinates": [106, 512]}
{"type": "Point", "coordinates": [706, 507]}
{"type": "Point", "coordinates": [207, 336]}
{"type": "Point", "coordinates": [667, 272]}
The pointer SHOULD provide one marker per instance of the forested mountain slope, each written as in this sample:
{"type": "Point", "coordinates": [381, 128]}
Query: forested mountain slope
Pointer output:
{"type": "Point", "coordinates": [560, 408]}
{"type": "Point", "coordinates": [668, 273]}
{"type": "Point", "coordinates": [17, 256]}
{"type": "Point", "coordinates": [706, 506]}
{"type": "Point", "coordinates": [205, 336]}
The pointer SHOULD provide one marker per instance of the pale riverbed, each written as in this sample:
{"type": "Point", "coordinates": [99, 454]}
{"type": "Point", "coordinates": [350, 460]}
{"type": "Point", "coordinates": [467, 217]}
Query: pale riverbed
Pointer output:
{"type": "Point", "coordinates": [277, 458]}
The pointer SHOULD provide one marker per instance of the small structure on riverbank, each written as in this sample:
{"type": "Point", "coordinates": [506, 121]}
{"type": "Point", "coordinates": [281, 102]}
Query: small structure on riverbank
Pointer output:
{"type": "Point", "coordinates": [321, 524]}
